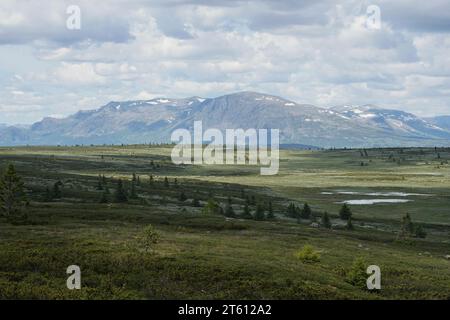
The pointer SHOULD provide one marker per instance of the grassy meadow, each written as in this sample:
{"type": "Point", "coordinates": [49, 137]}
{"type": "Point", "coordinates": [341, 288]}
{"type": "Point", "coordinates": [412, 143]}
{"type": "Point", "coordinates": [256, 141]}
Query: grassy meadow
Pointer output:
{"type": "Point", "coordinates": [204, 255]}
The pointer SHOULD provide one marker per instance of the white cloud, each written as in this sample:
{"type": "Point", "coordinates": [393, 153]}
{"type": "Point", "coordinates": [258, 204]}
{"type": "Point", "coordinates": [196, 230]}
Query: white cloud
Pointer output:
{"type": "Point", "coordinates": [310, 51]}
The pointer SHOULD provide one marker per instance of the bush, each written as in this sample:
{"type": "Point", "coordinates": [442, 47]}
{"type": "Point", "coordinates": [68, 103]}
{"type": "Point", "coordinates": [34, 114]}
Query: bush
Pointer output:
{"type": "Point", "coordinates": [212, 207]}
{"type": "Point", "coordinates": [357, 275]}
{"type": "Point", "coordinates": [148, 238]}
{"type": "Point", "coordinates": [308, 254]}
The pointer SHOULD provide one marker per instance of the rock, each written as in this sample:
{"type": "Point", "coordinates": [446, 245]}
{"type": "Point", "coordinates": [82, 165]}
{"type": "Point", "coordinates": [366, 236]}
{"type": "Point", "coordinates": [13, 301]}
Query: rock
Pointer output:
{"type": "Point", "coordinates": [447, 256]}
{"type": "Point", "coordinates": [314, 225]}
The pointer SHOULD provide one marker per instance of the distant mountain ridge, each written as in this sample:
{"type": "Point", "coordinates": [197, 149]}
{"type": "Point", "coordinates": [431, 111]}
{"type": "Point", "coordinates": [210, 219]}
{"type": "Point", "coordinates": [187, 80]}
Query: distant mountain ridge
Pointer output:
{"type": "Point", "coordinates": [145, 121]}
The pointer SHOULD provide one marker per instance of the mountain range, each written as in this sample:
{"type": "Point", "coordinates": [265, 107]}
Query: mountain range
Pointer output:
{"type": "Point", "coordinates": [145, 121]}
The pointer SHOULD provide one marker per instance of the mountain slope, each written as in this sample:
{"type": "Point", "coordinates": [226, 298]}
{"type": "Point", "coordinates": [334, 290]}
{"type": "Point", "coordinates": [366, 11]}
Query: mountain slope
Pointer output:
{"type": "Point", "coordinates": [153, 121]}
{"type": "Point", "coordinates": [440, 121]}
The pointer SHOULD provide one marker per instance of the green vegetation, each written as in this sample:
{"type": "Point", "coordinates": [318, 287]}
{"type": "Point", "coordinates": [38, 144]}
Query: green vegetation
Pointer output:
{"type": "Point", "coordinates": [345, 213]}
{"type": "Point", "coordinates": [12, 196]}
{"type": "Point", "coordinates": [308, 254]}
{"type": "Point", "coordinates": [141, 227]}
{"type": "Point", "coordinates": [357, 275]}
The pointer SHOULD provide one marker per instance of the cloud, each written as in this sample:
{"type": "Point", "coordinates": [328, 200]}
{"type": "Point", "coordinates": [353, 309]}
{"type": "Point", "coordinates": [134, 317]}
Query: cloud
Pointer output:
{"type": "Point", "coordinates": [309, 51]}
{"type": "Point", "coordinates": [44, 22]}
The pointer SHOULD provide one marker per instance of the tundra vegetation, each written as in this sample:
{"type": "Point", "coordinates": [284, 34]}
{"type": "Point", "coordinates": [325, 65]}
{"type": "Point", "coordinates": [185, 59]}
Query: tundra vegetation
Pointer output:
{"type": "Point", "coordinates": [141, 227]}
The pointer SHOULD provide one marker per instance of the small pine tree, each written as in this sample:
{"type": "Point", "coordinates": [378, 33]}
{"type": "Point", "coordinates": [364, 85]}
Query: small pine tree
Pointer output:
{"type": "Point", "coordinates": [306, 212]}
{"type": "Point", "coordinates": [292, 211]}
{"type": "Point", "coordinates": [166, 182]}
{"type": "Point", "coordinates": [259, 213]}
{"type": "Point", "coordinates": [357, 275]}
{"type": "Point", "coordinates": [407, 229]}
{"type": "Point", "coordinates": [325, 221]}
{"type": "Point", "coordinates": [229, 211]}
{"type": "Point", "coordinates": [99, 184]}
{"type": "Point", "coordinates": [12, 195]}
{"type": "Point", "coordinates": [120, 194]}
{"type": "Point", "coordinates": [133, 194]}
{"type": "Point", "coordinates": [345, 213]}
{"type": "Point", "coordinates": [56, 190]}
{"type": "Point", "coordinates": [151, 179]}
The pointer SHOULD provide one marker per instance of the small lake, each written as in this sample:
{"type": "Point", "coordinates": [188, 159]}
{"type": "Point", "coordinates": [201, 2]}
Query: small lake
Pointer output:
{"type": "Point", "coordinates": [373, 201]}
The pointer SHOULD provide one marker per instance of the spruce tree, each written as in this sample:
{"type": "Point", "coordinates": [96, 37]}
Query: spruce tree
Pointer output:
{"type": "Point", "coordinates": [229, 212]}
{"type": "Point", "coordinates": [306, 211]}
{"type": "Point", "coordinates": [166, 182]}
{"type": "Point", "coordinates": [56, 190]}
{"type": "Point", "coordinates": [99, 183]}
{"type": "Point", "coordinates": [120, 194]}
{"type": "Point", "coordinates": [345, 213]}
{"type": "Point", "coordinates": [12, 195]}
{"type": "Point", "coordinates": [133, 194]}
{"type": "Point", "coordinates": [407, 229]}
{"type": "Point", "coordinates": [325, 221]}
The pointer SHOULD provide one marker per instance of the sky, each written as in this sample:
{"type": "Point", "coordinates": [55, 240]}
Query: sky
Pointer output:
{"type": "Point", "coordinates": [325, 53]}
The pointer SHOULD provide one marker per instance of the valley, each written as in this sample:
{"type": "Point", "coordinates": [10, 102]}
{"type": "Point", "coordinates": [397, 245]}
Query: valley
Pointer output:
{"type": "Point", "coordinates": [205, 250]}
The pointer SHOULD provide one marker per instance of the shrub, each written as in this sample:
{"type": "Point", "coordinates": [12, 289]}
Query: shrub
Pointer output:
{"type": "Point", "coordinates": [357, 275]}
{"type": "Point", "coordinates": [212, 207]}
{"type": "Point", "coordinates": [307, 254]}
{"type": "Point", "coordinates": [148, 238]}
